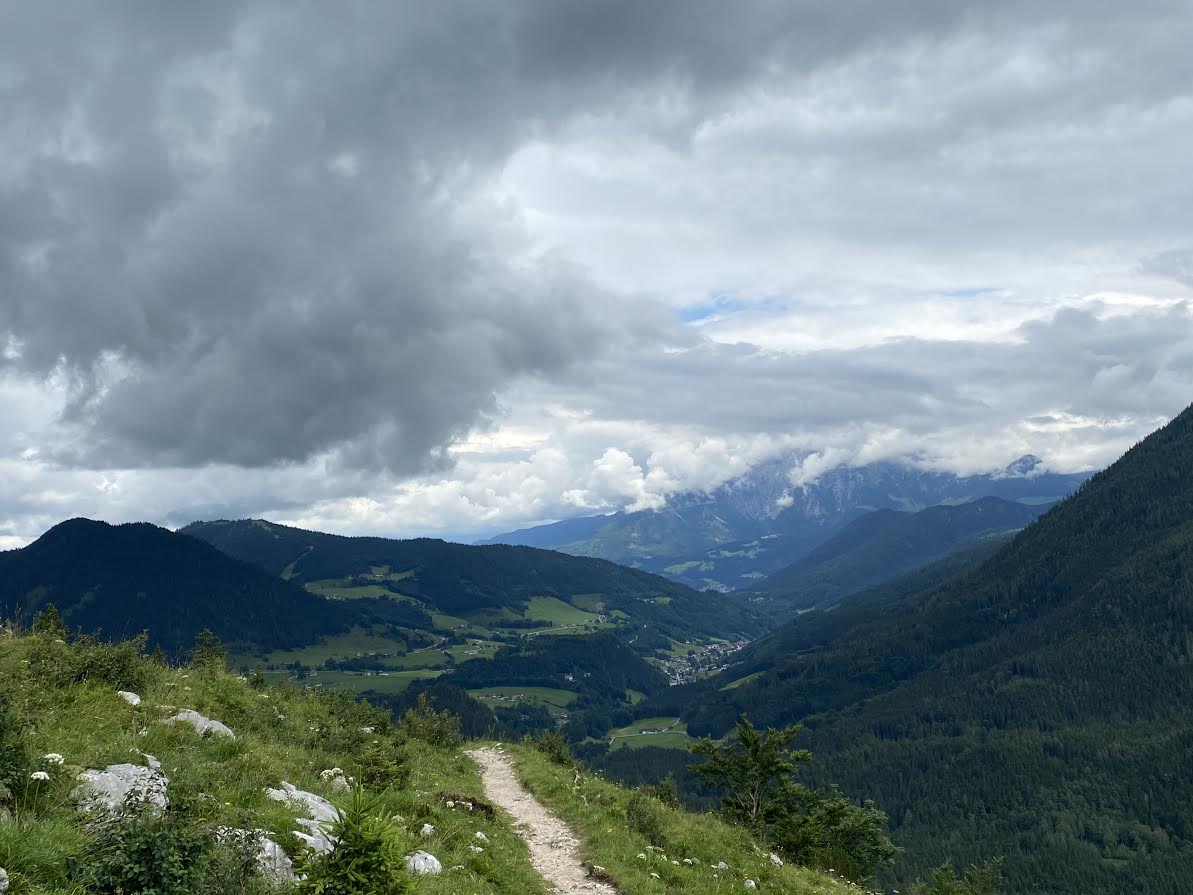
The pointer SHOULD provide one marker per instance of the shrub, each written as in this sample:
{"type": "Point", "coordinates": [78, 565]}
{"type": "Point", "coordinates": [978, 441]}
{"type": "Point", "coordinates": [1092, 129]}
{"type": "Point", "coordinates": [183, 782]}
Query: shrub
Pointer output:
{"type": "Point", "coordinates": [121, 666]}
{"type": "Point", "coordinates": [208, 652]}
{"type": "Point", "coordinates": [49, 623]}
{"type": "Point", "coordinates": [642, 817]}
{"type": "Point", "coordinates": [437, 728]}
{"type": "Point", "coordinates": [383, 766]}
{"type": "Point", "coordinates": [367, 859]}
{"type": "Point", "coordinates": [555, 747]}
{"type": "Point", "coordinates": [13, 754]}
{"type": "Point", "coordinates": [173, 852]}
{"type": "Point", "coordinates": [138, 850]}
{"type": "Point", "coordinates": [666, 791]}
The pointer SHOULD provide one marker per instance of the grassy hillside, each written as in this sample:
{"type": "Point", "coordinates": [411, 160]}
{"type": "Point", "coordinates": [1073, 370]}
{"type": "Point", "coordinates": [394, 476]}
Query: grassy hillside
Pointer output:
{"type": "Point", "coordinates": [886, 543]}
{"type": "Point", "coordinates": [1037, 705]}
{"type": "Point", "coordinates": [60, 699]}
{"type": "Point", "coordinates": [482, 589]}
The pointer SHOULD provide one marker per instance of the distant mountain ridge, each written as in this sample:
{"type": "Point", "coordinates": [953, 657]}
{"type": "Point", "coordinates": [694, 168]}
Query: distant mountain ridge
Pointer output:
{"type": "Point", "coordinates": [495, 581]}
{"type": "Point", "coordinates": [755, 524]}
{"type": "Point", "coordinates": [885, 543]}
{"type": "Point", "coordinates": [124, 579]}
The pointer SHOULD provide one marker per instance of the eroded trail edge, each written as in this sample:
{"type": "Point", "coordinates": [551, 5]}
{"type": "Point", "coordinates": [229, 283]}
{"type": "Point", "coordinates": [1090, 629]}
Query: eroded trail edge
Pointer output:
{"type": "Point", "coordinates": [554, 848]}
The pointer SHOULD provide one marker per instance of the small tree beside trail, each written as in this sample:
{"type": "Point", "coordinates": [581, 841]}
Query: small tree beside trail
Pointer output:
{"type": "Point", "coordinates": [755, 773]}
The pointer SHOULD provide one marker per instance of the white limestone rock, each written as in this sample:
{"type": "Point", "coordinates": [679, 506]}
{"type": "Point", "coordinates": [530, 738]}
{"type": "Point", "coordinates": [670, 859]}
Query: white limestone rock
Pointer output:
{"type": "Point", "coordinates": [201, 723]}
{"type": "Point", "coordinates": [321, 813]}
{"type": "Point", "coordinates": [482, 837]}
{"type": "Point", "coordinates": [108, 789]}
{"type": "Point", "coordinates": [273, 862]}
{"type": "Point", "coordinates": [423, 863]}
{"type": "Point", "coordinates": [3, 881]}
{"type": "Point", "coordinates": [129, 697]}
{"type": "Point", "coordinates": [776, 860]}
{"type": "Point", "coordinates": [721, 865]}
{"type": "Point", "coordinates": [750, 884]}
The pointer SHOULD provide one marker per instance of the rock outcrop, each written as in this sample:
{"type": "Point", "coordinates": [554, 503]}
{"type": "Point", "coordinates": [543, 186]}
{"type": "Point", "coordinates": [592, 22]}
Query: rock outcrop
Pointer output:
{"type": "Point", "coordinates": [423, 863]}
{"type": "Point", "coordinates": [321, 814]}
{"type": "Point", "coordinates": [107, 790]}
{"type": "Point", "coordinates": [201, 723]}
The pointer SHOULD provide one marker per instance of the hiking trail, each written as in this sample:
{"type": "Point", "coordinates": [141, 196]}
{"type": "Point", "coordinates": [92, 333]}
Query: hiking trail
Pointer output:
{"type": "Point", "coordinates": [554, 848]}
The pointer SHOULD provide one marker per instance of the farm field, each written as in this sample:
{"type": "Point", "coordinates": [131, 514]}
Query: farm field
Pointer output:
{"type": "Point", "coordinates": [554, 700]}
{"type": "Point", "coordinates": [666, 732]}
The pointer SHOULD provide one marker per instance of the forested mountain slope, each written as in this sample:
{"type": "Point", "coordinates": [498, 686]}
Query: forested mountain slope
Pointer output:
{"type": "Point", "coordinates": [124, 579]}
{"type": "Point", "coordinates": [1040, 705]}
{"type": "Point", "coordinates": [754, 525]}
{"type": "Point", "coordinates": [459, 579]}
{"type": "Point", "coordinates": [885, 543]}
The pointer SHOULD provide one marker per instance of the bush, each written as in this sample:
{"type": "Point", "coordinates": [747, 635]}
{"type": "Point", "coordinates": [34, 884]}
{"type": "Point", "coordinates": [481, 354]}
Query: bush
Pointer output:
{"type": "Point", "coordinates": [13, 753]}
{"type": "Point", "coordinates": [666, 791]}
{"type": "Point", "coordinates": [642, 817]}
{"type": "Point", "coordinates": [367, 859]}
{"type": "Point", "coordinates": [208, 652]}
{"type": "Point", "coordinates": [555, 747]}
{"type": "Point", "coordinates": [168, 853]}
{"type": "Point", "coordinates": [437, 728]}
{"type": "Point", "coordinates": [121, 666]}
{"type": "Point", "coordinates": [383, 766]}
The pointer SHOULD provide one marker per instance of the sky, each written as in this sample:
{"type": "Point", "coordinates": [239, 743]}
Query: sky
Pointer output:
{"type": "Point", "coordinates": [454, 268]}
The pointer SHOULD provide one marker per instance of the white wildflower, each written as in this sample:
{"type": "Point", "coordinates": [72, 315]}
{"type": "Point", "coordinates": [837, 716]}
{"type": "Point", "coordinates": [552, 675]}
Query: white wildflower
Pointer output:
{"type": "Point", "coordinates": [39, 775]}
{"type": "Point", "coordinates": [53, 758]}
{"type": "Point", "coordinates": [641, 856]}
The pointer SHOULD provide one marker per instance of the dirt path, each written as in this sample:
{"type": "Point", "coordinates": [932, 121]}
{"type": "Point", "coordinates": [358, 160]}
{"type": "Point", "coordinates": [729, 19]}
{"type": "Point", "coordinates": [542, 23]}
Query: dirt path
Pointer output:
{"type": "Point", "coordinates": [554, 849]}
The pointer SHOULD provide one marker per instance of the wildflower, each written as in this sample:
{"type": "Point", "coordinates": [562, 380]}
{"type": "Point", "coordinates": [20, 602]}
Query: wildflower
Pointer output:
{"type": "Point", "coordinates": [654, 875]}
{"type": "Point", "coordinates": [53, 758]}
{"type": "Point", "coordinates": [39, 775]}
{"type": "Point", "coordinates": [641, 857]}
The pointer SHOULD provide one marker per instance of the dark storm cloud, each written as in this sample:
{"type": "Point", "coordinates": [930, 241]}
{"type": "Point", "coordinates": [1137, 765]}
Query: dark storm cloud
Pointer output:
{"type": "Point", "coordinates": [255, 232]}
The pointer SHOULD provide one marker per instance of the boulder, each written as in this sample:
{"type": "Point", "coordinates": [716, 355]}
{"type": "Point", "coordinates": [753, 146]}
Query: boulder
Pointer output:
{"type": "Point", "coordinates": [482, 837]}
{"type": "Point", "coordinates": [273, 862]}
{"type": "Point", "coordinates": [129, 697]}
{"type": "Point", "coordinates": [776, 860]}
{"type": "Point", "coordinates": [750, 884]}
{"type": "Point", "coordinates": [108, 789]}
{"type": "Point", "coordinates": [422, 863]}
{"type": "Point", "coordinates": [201, 723]}
{"type": "Point", "coordinates": [3, 881]}
{"type": "Point", "coordinates": [320, 814]}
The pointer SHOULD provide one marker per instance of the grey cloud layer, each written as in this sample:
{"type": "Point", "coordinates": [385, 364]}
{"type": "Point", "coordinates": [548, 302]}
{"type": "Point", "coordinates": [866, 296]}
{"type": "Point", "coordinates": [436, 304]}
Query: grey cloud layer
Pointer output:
{"type": "Point", "coordinates": [256, 233]}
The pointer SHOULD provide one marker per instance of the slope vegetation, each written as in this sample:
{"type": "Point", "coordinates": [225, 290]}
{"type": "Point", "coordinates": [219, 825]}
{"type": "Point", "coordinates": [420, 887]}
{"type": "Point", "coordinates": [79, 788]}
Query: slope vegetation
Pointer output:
{"type": "Point", "coordinates": [885, 543]}
{"type": "Point", "coordinates": [486, 584]}
{"type": "Point", "coordinates": [61, 713]}
{"type": "Point", "coordinates": [1051, 685]}
{"type": "Point", "coordinates": [128, 578]}
{"type": "Point", "coordinates": [756, 524]}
